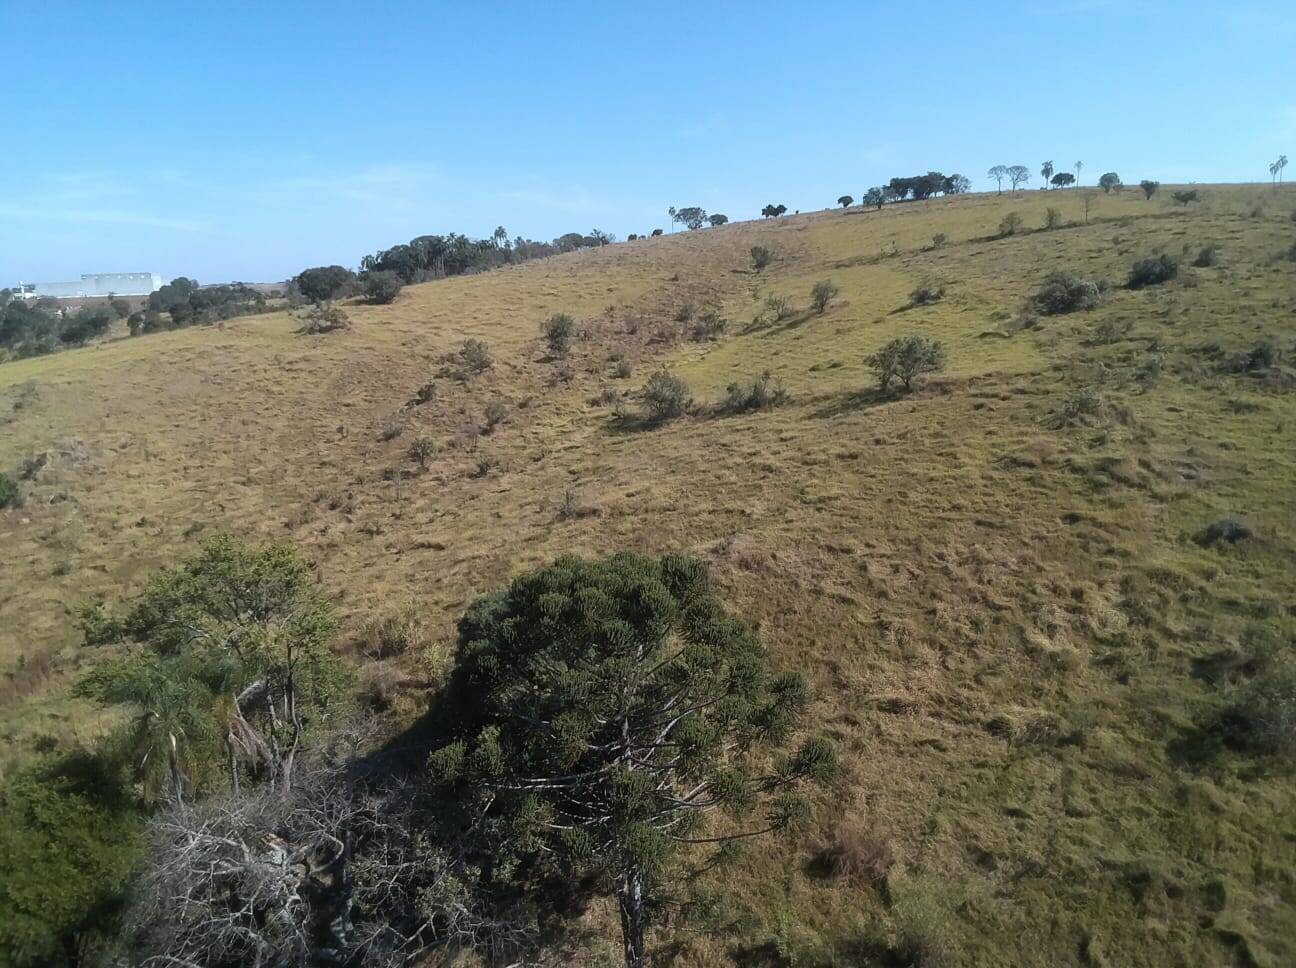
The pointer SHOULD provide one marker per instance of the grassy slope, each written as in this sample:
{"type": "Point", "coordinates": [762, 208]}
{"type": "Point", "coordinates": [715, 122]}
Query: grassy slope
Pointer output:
{"type": "Point", "coordinates": [1009, 628]}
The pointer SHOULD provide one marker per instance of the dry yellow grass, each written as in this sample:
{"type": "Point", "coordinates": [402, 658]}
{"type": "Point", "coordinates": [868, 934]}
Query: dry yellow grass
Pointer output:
{"type": "Point", "coordinates": [1005, 624]}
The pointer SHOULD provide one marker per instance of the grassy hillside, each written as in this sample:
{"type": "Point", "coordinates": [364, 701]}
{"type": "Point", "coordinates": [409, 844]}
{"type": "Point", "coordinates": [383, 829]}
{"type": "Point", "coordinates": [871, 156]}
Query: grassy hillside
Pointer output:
{"type": "Point", "coordinates": [1013, 629]}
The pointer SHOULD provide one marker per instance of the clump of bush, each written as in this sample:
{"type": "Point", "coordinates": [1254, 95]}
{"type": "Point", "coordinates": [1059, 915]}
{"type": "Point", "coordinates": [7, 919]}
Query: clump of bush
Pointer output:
{"type": "Point", "coordinates": [426, 393]}
{"type": "Point", "coordinates": [1081, 407]}
{"type": "Point", "coordinates": [858, 855]}
{"type": "Point", "coordinates": [1183, 198]}
{"type": "Point", "coordinates": [939, 240]}
{"type": "Point", "coordinates": [1207, 257]}
{"type": "Point", "coordinates": [1107, 332]}
{"type": "Point", "coordinates": [760, 257]}
{"type": "Point", "coordinates": [760, 393]}
{"type": "Point", "coordinates": [1052, 218]}
{"type": "Point", "coordinates": [665, 396]}
{"type": "Point", "coordinates": [471, 359]}
{"type": "Point", "coordinates": [10, 495]}
{"type": "Point", "coordinates": [780, 307]}
{"type": "Point", "coordinates": [323, 318]}
{"type": "Point", "coordinates": [1010, 224]}
{"type": "Point", "coordinates": [559, 331]}
{"type": "Point", "coordinates": [1228, 530]}
{"type": "Point", "coordinates": [710, 325]}
{"type": "Point", "coordinates": [823, 293]}
{"type": "Point", "coordinates": [1153, 271]}
{"type": "Point", "coordinates": [389, 634]}
{"type": "Point", "coordinates": [925, 295]}
{"type": "Point", "coordinates": [496, 412]}
{"type": "Point", "coordinates": [381, 287]}
{"type": "Point", "coordinates": [1262, 716]}
{"type": "Point", "coordinates": [623, 370]}
{"type": "Point", "coordinates": [905, 358]}
{"type": "Point", "coordinates": [421, 450]}
{"type": "Point", "coordinates": [1065, 292]}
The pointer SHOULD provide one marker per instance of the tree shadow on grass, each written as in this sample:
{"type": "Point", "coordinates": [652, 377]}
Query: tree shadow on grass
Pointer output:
{"type": "Point", "coordinates": [850, 401]}
{"type": "Point", "coordinates": [794, 321]}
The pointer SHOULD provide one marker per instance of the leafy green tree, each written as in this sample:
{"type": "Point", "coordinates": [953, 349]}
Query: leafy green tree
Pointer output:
{"type": "Point", "coordinates": [692, 217]}
{"type": "Point", "coordinates": [607, 708]}
{"type": "Point", "coordinates": [1184, 197]}
{"type": "Point", "coordinates": [760, 257]}
{"type": "Point", "coordinates": [325, 282]}
{"type": "Point", "coordinates": [1149, 187]}
{"type": "Point", "coordinates": [381, 286]}
{"type": "Point", "coordinates": [956, 185]}
{"type": "Point", "coordinates": [559, 331]}
{"type": "Point", "coordinates": [846, 201]}
{"type": "Point", "coordinates": [717, 220]}
{"type": "Point", "coordinates": [69, 837]}
{"type": "Point", "coordinates": [773, 211]}
{"type": "Point", "coordinates": [227, 657]}
{"type": "Point", "coordinates": [905, 358]}
{"type": "Point", "coordinates": [665, 396]}
{"type": "Point", "coordinates": [1109, 182]}
{"type": "Point", "coordinates": [1062, 179]}
{"type": "Point", "coordinates": [875, 197]}
{"type": "Point", "coordinates": [823, 292]}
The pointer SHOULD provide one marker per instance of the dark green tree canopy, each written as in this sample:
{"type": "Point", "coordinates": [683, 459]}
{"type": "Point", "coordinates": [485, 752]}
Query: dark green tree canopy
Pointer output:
{"type": "Point", "coordinates": [607, 707]}
{"type": "Point", "coordinates": [325, 282]}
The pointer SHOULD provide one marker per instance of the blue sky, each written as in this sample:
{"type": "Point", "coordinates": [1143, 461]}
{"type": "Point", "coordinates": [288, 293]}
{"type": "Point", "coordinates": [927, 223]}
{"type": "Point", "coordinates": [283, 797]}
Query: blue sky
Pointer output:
{"type": "Point", "coordinates": [247, 141]}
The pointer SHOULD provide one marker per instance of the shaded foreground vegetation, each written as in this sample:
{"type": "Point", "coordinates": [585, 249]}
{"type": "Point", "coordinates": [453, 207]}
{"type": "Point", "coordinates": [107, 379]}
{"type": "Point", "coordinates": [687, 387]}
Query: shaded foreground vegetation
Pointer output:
{"type": "Point", "coordinates": [1039, 601]}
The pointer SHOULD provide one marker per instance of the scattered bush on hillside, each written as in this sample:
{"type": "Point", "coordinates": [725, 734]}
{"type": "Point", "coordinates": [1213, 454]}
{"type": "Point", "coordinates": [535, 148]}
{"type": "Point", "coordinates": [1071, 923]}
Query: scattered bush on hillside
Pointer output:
{"type": "Point", "coordinates": [926, 294]}
{"type": "Point", "coordinates": [1228, 530]}
{"type": "Point", "coordinates": [120, 307]}
{"type": "Point", "coordinates": [710, 325]}
{"type": "Point", "coordinates": [1153, 271]}
{"type": "Point", "coordinates": [1262, 715]}
{"type": "Point", "coordinates": [1080, 407]}
{"type": "Point", "coordinates": [1208, 256]}
{"type": "Point", "coordinates": [1149, 187]}
{"type": "Point", "coordinates": [1065, 292]}
{"type": "Point", "coordinates": [426, 393]}
{"type": "Point", "coordinates": [325, 283]}
{"type": "Point", "coordinates": [323, 318]}
{"type": "Point", "coordinates": [1110, 182]}
{"type": "Point", "coordinates": [1258, 358]}
{"type": "Point", "coordinates": [421, 450]}
{"type": "Point", "coordinates": [760, 393]}
{"type": "Point", "coordinates": [858, 854]}
{"type": "Point", "coordinates": [470, 360]}
{"type": "Point", "coordinates": [939, 240]}
{"type": "Point", "coordinates": [1183, 198]}
{"type": "Point", "coordinates": [10, 494]}
{"type": "Point", "coordinates": [381, 288]}
{"type": "Point", "coordinates": [665, 396]}
{"type": "Point", "coordinates": [559, 330]}
{"type": "Point", "coordinates": [906, 358]}
{"type": "Point", "coordinates": [391, 633]}
{"type": "Point", "coordinates": [780, 307]}
{"type": "Point", "coordinates": [656, 232]}
{"type": "Point", "coordinates": [623, 370]}
{"type": "Point", "coordinates": [391, 430]}
{"type": "Point", "coordinates": [496, 413]}
{"type": "Point", "coordinates": [85, 324]}
{"type": "Point", "coordinates": [1107, 332]}
{"type": "Point", "coordinates": [822, 293]}
{"type": "Point", "coordinates": [1010, 224]}
{"type": "Point", "coordinates": [684, 312]}
{"type": "Point", "coordinates": [1052, 218]}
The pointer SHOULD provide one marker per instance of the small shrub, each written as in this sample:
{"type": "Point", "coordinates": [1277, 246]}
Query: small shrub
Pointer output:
{"type": "Point", "coordinates": [393, 633]}
{"type": "Point", "coordinates": [1079, 408]}
{"type": "Point", "coordinates": [1107, 332]}
{"type": "Point", "coordinates": [760, 393]}
{"type": "Point", "coordinates": [708, 326]}
{"type": "Point", "coordinates": [823, 293]}
{"type": "Point", "coordinates": [1148, 372]}
{"type": "Point", "coordinates": [496, 412]}
{"type": "Point", "coordinates": [905, 358]}
{"type": "Point", "coordinates": [1207, 257]}
{"type": "Point", "coordinates": [1262, 717]}
{"type": "Point", "coordinates": [1149, 187]}
{"type": "Point", "coordinates": [1183, 198]}
{"type": "Point", "coordinates": [426, 393]}
{"type": "Point", "coordinates": [381, 287]}
{"type": "Point", "coordinates": [485, 465]}
{"type": "Point", "coordinates": [1153, 271]}
{"type": "Point", "coordinates": [684, 314]}
{"type": "Point", "coordinates": [1052, 218]}
{"type": "Point", "coordinates": [623, 370]}
{"type": "Point", "coordinates": [939, 240]}
{"type": "Point", "coordinates": [10, 495]}
{"type": "Point", "coordinates": [925, 295]}
{"type": "Point", "coordinates": [760, 257]}
{"type": "Point", "coordinates": [1065, 292]}
{"type": "Point", "coordinates": [780, 307]}
{"type": "Point", "coordinates": [559, 331]}
{"type": "Point", "coordinates": [475, 356]}
{"type": "Point", "coordinates": [391, 431]}
{"type": "Point", "coordinates": [321, 318]}
{"type": "Point", "coordinates": [421, 450]}
{"type": "Point", "coordinates": [858, 855]}
{"type": "Point", "coordinates": [665, 396]}
{"type": "Point", "coordinates": [1228, 530]}
{"type": "Point", "coordinates": [1010, 224]}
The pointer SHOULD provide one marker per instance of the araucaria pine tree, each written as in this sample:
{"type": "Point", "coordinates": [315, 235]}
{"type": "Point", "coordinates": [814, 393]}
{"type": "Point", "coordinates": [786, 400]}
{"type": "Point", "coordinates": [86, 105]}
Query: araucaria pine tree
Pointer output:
{"type": "Point", "coordinates": [609, 709]}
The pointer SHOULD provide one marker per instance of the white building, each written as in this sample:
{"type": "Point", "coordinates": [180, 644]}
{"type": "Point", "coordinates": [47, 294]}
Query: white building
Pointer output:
{"type": "Point", "coordinates": [93, 284]}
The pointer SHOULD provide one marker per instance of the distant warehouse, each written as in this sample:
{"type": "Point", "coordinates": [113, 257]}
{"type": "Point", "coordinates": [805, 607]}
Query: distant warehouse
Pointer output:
{"type": "Point", "coordinates": [93, 284]}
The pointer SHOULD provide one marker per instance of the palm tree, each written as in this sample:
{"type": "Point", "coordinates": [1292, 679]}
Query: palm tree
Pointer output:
{"type": "Point", "coordinates": [1282, 163]}
{"type": "Point", "coordinates": [671, 212]}
{"type": "Point", "coordinates": [1079, 165]}
{"type": "Point", "coordinates": [1047, 171]}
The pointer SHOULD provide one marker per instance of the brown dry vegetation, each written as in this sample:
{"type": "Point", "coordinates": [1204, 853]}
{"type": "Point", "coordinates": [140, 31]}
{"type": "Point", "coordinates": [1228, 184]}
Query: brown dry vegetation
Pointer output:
{"type": "Point", "coordinates": [1009, 627]}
